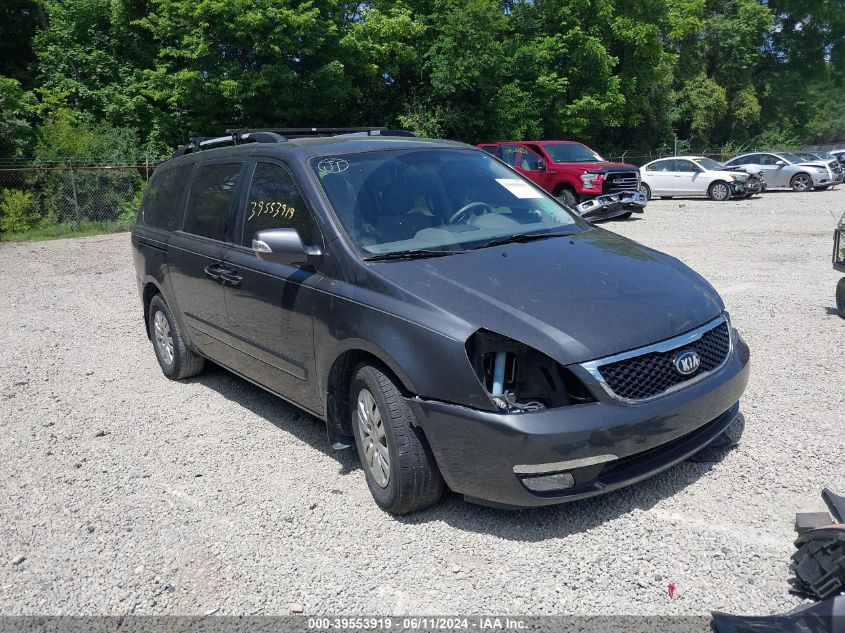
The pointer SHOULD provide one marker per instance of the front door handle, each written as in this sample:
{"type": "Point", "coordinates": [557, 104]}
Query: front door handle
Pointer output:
{"type": "Point", "coordinates": [213, 271]}
{"type": "Point", "coordinates": [229, 277]}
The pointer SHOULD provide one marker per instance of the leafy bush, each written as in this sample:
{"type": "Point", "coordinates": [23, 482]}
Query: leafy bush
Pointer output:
{"type": "Point", "coordinates": [16, 210]}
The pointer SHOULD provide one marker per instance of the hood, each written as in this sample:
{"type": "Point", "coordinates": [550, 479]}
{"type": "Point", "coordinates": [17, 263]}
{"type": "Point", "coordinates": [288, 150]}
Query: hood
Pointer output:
{"type": "Point", "coordinates": [574, 298]}
{"type": "Point", "coordinates": [813, 163]}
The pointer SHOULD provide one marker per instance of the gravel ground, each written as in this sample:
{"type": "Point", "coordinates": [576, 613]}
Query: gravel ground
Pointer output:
{"type": "Point", "coordinates": [122, 492]}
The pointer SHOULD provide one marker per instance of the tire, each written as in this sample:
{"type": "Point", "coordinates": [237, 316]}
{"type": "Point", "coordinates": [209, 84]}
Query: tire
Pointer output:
{"type": "Point", "coordinates": [568, 197]}
{"type": "Point", "coordinates": [840, 297]}
{"type": "Point", "coordinates": [645, 190]}
{"type": "Point", "coordinates": [176, 360]}
{"type": "Point", "coordinates": [801, 182]}
{"type": "Point", "coordinates": [410, 480]}
{"type": "Point", "coordinates": [719, 191]}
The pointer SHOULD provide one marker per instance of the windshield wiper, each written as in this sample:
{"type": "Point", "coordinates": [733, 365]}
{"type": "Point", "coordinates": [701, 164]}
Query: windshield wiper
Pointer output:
{"type": "Point", "coordinates": [521, 237]}
{"type": "Point", "coordinates": [414, 253]}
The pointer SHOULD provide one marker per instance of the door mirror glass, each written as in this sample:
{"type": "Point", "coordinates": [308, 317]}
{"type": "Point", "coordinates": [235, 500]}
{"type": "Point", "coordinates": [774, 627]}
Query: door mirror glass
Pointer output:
{"type": "Point", "coordinates": [284, 246]}
{"type": "Point", "coordinates": [780, 163]}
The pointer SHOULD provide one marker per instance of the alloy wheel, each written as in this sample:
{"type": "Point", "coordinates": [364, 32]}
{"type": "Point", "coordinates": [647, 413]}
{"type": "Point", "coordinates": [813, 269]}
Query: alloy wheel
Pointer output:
{"type": "Point", "coordinates": [163, 337]}
{"type": "Point", "coordinates": [802, 182]}
{"type": "Point", "coordinates": [373, 438]}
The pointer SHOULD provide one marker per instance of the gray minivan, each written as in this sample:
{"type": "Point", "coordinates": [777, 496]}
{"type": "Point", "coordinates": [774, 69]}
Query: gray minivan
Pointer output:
{"type": "Point", "coordinates": [454, 321]}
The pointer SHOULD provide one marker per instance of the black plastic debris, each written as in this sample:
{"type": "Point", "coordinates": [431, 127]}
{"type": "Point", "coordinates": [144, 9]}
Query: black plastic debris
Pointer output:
{"type": "Point", "coordinates": [835, 503]}
{"type": "Point", "coordinates": [722, 444]}
{"type": "Point", "coordinates": [805, 521]}
{"type": "Point", "coordinates": [819, 562]}
{"type": "Point", "coordinates": [821, 617]}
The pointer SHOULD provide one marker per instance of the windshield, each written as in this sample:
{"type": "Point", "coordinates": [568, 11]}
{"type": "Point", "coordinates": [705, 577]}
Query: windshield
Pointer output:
{"type": "Point", "coordinates": [434, 200]}
{"type": "Point", "coordinates": [571, 153]}
{"type": "Point", "coordinates": [709, 163]}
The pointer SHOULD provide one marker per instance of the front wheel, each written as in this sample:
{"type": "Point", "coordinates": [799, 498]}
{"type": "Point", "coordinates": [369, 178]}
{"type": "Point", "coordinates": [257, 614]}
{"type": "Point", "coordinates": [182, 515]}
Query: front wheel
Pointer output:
{"type": "Point", "coordinates": [801, 182]}
{"type": "Point", "coordinates": [397, 462]}
{"type": "Point", "coordinates": [840, 297]}
{"type": "Point", "coordinates": [645, 190]}
{"type": "Point", "coordinates": [568, 197]}
{"type": "Point", "coordinates": [719, 191]}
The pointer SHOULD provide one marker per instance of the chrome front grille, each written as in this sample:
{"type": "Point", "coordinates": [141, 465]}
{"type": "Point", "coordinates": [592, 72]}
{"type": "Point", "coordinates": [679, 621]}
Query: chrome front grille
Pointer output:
{"type": "Point", "coordinates": [650, 372]}
{"type": "Point", "coordinates": [621, 181]}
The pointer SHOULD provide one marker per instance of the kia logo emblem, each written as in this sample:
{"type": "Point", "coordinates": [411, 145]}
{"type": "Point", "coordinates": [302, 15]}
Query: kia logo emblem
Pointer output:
{"type": "Point", "coordinates": [687, 362]}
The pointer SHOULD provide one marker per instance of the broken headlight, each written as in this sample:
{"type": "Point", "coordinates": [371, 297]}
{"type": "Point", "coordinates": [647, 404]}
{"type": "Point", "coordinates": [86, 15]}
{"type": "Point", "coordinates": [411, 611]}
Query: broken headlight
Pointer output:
{"type": "Point", "coordinates": [520, 379]}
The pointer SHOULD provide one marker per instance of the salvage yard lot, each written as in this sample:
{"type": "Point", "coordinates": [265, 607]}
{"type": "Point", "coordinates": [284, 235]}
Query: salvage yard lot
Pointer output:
{"type": "Point", "coordinates": [124, 492]}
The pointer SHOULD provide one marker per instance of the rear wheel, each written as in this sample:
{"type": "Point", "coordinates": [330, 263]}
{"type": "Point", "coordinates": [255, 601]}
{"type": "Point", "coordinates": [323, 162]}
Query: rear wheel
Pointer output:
{"type": "Point", "coordinates": [397, 462]}
{"type": "Point", "coordinates": [801, 182]}
{"type": "Point", "coordinates": [719, 191]}
{"type": "Point", "coordinates": [840, 297]}
{"type": "Point", "coordinates": [645, 190]}
{"type": "Point", "coordinates": [174, 357]}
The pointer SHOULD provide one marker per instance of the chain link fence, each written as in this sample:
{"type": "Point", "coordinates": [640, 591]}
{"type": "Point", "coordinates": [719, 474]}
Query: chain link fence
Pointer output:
{"type": "Point", "coordinates": [67, 199]}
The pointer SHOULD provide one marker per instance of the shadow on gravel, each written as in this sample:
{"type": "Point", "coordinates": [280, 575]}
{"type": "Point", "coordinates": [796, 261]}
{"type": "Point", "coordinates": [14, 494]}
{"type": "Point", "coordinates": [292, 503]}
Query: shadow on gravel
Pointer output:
{"type": "Point", "coordinates": [279, 413]}
{"type": "Point", "coordinates": [538, 524]}
{"type": "Point", "coordinates": [534, 524]}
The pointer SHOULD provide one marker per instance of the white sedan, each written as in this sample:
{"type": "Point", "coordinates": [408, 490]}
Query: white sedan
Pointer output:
{"type": "Point", "coordinates": [691, 176]}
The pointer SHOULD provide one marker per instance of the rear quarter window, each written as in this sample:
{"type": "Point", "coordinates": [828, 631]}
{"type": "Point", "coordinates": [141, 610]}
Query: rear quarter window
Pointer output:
{"type": "Point", "coordinates": [160, 207]}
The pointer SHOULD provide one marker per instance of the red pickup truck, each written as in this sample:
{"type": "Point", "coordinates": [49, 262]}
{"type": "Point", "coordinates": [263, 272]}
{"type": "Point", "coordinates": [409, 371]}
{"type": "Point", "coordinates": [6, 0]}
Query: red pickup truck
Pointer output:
{"type": "Point", "coordinates": [572, 172]}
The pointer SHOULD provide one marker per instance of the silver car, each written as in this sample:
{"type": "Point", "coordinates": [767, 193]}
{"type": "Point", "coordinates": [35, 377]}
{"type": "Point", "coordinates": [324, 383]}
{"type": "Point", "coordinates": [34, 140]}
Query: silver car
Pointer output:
{"type": "Point", "coordinates": [837, 168]}
{"type": "Point", "coordinates": [787, 170]}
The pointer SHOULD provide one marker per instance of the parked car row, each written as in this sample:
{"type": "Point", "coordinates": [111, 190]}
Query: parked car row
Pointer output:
{"type": "Point", "coordinates": [576, 175]}
{"type": "Point", "coordinates": [741, 176]}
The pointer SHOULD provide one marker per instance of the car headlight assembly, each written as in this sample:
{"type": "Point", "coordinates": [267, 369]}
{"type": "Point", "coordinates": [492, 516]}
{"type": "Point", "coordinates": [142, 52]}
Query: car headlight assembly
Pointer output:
{"type": "Point", "coordinates": [591, 181]}
{"type": "Point", "coordinates": [520, 379]}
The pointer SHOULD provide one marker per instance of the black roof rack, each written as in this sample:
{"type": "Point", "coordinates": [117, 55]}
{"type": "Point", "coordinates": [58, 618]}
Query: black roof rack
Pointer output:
{"type": "Point", "coordinates": [304, 132]}
{"type": "Point", "coordinates": [281, 134]}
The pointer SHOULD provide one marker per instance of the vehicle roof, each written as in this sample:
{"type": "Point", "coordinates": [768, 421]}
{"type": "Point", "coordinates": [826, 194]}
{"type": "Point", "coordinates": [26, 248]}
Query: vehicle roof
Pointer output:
{"type": "Point", "coordinates": [687, 157]}
{"type": "Point", "coordinates": [309, 147]}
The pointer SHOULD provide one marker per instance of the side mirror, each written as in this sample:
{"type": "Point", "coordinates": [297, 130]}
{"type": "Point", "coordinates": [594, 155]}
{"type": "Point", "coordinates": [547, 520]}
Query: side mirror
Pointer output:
{"type": "Point", "coordinates": [284, 246]}
{"type": "Point", "coordinates": [780, 163]}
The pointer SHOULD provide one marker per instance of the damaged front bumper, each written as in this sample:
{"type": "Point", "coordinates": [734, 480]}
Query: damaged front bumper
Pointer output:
{"type": "Point", "coordinates": [612, 205]}
{"type": "Point", "coordinates": [593, 448]}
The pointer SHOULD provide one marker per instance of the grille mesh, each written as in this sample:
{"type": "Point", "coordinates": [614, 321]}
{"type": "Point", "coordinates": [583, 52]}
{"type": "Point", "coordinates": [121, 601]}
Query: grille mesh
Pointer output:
{"type": "Point", "coordinates": [653, 373]}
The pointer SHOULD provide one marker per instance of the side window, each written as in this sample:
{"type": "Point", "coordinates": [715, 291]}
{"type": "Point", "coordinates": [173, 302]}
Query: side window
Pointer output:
{"type": "Point", "coordinates": [768, 159]}
{"type": "Point", "coordinates": [274, 202]}
{"type": "Point", "coordinates": [529, 161]}
{"type": "Point", "coordinates": [685, 166]}
{"type": "Point", "coordinates": [512, 154]}
{"type": "Point", "coordinates": [751, 159]}
{"type": "Point", "coordinates": [210, 200]}
{"type": "Point", "coordinates": [161, 200]}
{"type": "Point", "coordinates": [661, 165]}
